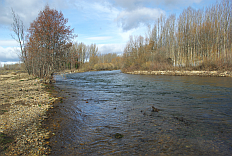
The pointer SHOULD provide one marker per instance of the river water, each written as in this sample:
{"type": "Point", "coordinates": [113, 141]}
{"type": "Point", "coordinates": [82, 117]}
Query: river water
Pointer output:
{"type": "Point", "coordinates": [194, 117]}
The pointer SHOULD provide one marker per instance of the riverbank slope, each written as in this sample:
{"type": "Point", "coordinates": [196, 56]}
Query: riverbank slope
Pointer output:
{"type": "Point", "coordinates": [24, 102]}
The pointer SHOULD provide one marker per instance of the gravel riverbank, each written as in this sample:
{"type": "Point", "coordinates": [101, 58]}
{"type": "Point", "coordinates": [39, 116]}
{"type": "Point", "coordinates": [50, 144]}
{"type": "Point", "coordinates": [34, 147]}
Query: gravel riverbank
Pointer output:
{"type": "Point", "coordinates": [24, 102]}
{"type": "Point", "coordinates": [184, 73]}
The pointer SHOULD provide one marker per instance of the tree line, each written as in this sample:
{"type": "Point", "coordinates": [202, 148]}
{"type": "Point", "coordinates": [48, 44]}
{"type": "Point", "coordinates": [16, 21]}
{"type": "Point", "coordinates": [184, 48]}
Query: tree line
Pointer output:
{"type": "Point", "coordinates": [87, 57]}
{"type": "Point", "coordinates": [47, 46]}
{"type": "Point", "coordinates": [196, 38]}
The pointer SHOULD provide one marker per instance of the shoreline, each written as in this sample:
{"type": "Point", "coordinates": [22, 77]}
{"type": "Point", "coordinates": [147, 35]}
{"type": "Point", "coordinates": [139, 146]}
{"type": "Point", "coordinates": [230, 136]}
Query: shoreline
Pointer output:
{"type": "Point", "coordinates": [167, 73]}
{"type": "Point", "coordinates": [184, 73]}
{"type": "Point", "coordinates": [56, 122]}
{"type": "Point", "coordinates": [24, 102]}
{"type": "Point", "coordinates": [27, 106]}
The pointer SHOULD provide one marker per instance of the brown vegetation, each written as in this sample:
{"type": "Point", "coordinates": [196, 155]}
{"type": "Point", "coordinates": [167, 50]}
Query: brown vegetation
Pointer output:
{"type": "Point", "coordinates": [196, 40]}
{"type": "Point", "coordinates": [90, 59]}
{"type": "Point", "coordinates": [103, 66]}
{"type": "Point", "coordinates": [9, 68]}
{"type": "Point", "coordinates": [46, 48]}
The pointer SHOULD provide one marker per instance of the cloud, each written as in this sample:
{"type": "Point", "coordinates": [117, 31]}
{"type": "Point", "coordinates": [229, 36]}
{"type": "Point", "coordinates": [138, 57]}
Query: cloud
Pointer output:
{"type": "Point", "coordinates": [27, 10]}
{"type": "Point", "coordinates": [129, 4]}
{"type": "Point", "coordinates": [135, 13]}
{"type": "Point", "coordinates": [99, 38]}
{"type": "Point", "coordinates": [8, 63]}
{"type": "Point", "coordinates": [111, 48]}
{"type": "Point", "coordinates": [134, 4]}
{"type": "Point", "coordinates": [174, 3]}
{"type": "Point", "coordinates": [8, 43]}
{"type": "Point", "coordinates": [133, 19]}
{"type": "Point", "coordinates": [9, 54]}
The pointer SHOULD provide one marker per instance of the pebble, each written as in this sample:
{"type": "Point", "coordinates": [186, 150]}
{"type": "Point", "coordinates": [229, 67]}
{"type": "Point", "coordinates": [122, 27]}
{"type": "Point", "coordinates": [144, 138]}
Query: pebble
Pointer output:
{"type": "Point", "coordinates": [23, 117]}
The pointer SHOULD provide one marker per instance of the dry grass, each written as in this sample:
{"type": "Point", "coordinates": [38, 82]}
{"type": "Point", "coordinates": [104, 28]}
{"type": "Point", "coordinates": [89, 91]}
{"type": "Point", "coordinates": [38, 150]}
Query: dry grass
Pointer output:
{"type": "Point", "coordinates": [219, 65]}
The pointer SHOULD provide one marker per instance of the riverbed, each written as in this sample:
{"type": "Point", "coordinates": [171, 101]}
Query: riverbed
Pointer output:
{"type": "Point", "coordinates": [194, 115]}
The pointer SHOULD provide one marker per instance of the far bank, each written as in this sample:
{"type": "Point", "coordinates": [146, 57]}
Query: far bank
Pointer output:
{"type": "Point", "coordinates": [184, 73]}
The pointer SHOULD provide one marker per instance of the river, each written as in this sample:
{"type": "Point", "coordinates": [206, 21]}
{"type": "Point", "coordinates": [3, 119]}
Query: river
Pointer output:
{"type": "Point", "coordinates": [194, 117]}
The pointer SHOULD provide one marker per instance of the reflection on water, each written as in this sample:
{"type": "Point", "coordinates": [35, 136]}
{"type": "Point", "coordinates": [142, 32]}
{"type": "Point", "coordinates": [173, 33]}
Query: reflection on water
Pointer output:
{"type": "Point", "coordinates": [195, 116]}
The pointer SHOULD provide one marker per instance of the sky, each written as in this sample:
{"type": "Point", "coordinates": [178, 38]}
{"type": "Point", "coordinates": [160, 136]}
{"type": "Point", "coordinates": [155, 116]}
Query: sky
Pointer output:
{"type": "Point", "coordinates": [108, 23]}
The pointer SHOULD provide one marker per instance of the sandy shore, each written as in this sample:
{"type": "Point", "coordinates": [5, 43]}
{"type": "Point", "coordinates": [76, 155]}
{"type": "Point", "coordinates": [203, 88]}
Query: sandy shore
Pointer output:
{"type": "Point", "coordinates": [184, 73]}
{"type": "Point", "coordinates": [24, 102]}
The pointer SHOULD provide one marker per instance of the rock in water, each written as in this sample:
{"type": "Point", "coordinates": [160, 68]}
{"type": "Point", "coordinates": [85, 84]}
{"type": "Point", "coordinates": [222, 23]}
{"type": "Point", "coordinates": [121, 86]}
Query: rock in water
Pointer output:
{"type": "Point", "coordinates": [118, 135]}
{"type": "Point", "coordinates": [155, 109]}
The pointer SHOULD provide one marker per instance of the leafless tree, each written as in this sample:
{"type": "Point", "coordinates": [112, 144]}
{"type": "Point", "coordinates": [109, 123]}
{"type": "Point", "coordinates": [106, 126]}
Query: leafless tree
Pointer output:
{"type": "Point", "coordinates": [19, 35]}
{"type": "Point", "coordinates": [195, 37]}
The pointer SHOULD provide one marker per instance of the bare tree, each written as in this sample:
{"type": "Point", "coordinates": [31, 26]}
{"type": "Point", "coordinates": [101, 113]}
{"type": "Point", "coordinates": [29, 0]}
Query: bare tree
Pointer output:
{"type": "Point", "coordinates": [196, 37]}
{"type": "Point", "coordinates": [93, 53]}
{"type": "Point", "coordinates": [19, 35]}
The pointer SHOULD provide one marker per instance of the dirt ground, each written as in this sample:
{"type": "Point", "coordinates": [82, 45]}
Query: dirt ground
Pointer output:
{"type": "Point", "coordinates": [24, 101]}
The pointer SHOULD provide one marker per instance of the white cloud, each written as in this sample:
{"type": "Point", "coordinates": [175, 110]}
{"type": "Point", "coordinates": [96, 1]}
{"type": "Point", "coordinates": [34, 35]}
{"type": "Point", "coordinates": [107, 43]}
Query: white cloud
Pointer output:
{"type": "Point", "coordinates": [9, 54]}
{"type": "Point", "coordinates": [125, 35]}
{"type": "Point", "coordinates": [133, 19]}
{"type": "Point", "coordinates": [8, 43]}
{"type": "Point", "coordinates": [27, 10]}
{"type": "Point", "coordinates": [135, 13]}
{"type": "Point", "coordinates": [130, 4]}
{"type": "Point", "coordinates": [174, 3]}
{"type": "Point", "coordinates": [134, 4]}
{"type": "Point", "coordinates": [111, 48]}
{"type": "Point", "coordinates": [105, 10]}
{"type": "Point", "coordinates": [99, 38]}
{"type": "Point", "coordinates": [7, 63]}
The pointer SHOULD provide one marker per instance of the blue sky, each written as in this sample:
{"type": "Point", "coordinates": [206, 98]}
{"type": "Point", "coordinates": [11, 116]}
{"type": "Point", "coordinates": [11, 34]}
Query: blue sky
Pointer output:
{"type": "Point", "coordinates": [108, 23]}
